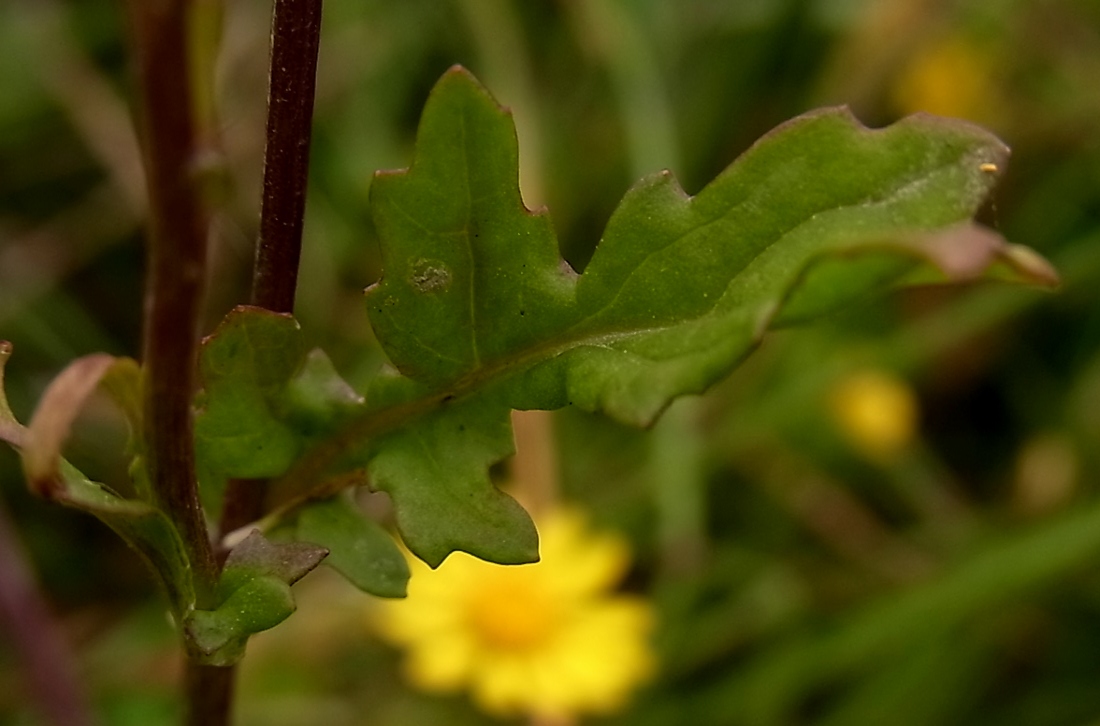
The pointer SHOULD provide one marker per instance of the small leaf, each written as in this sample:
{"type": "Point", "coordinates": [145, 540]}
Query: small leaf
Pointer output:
{"type": "Point", "coordinates": [254, 593]}
{"type": "Point", "coordinates": [359, 549]}
{"type": "Point", "coordinates": [53, 418]}
{"type": "Point", "coordinates": [244, 368]}
{"type": "Point", "coordinates": [264, 397]}
{"type": "Point", "coordinates": [219, 636]}
{"type": "Point", "coordinates": [139, 523]}
{"type": "Point", "coordinates": [256, 556]}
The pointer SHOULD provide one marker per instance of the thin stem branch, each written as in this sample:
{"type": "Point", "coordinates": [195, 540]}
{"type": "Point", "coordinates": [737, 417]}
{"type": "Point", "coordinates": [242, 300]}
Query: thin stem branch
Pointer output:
{"type": "Point", "coordinates": [295, 41]}
{"type": "Point", "coordinates": [178, 226]}
{"type": "Point", "coordinates": [176, 271]}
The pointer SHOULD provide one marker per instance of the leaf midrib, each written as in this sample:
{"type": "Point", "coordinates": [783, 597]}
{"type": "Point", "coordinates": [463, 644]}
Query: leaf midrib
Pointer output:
{"type": "Point", "coordinates": [471, 257]}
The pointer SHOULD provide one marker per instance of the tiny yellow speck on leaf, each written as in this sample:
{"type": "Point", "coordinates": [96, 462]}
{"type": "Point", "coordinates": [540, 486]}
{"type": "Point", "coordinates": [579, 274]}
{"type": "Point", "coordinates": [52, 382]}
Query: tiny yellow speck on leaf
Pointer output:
{"type": "Point", "coordinates": [551, 639]}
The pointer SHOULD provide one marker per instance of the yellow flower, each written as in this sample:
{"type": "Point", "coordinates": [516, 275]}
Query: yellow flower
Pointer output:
{"type": "Point", "coordinates": [876, 412]}
{"type": "Point", "coordinates": [950, 78]}
{"type": "Point", "coordinates": [548, 639]}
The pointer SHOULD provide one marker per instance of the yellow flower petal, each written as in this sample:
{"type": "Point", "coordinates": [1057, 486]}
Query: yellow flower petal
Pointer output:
{"type": "Point", "coordinates": [597, 561]}
{"type": "Point", "coordinates": [442, 665]}
{"type": "Point", "coordinates": [549, 639]}
{"type": "Point", "coordinates": [949, 77]}
{"type": "Point", "coordinates": [502, 685]}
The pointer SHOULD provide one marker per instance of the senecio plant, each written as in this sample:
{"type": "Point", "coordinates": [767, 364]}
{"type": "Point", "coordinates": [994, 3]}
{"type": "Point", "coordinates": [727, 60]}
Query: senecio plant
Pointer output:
{"type": "Point", "coordinates": [477, 314]}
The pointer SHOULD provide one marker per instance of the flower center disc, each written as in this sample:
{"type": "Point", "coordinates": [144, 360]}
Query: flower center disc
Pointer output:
{"type": "Point", "coordinates": [512, 614]}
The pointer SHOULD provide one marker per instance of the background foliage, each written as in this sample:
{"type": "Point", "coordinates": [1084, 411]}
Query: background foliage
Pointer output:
{"type": "Point", "coordinates": [799, 579]}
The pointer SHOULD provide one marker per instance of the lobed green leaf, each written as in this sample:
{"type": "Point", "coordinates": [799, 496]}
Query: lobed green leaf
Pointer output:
{"type": "Point", "coordinates": [479, 314]}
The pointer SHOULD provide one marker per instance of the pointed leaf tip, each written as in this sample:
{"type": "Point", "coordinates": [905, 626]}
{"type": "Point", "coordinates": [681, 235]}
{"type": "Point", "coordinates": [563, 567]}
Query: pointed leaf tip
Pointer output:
{"type": "Point", "coordinates": [1031, 266]}
{"type": "Point", "coordinates": [258, 556]}
{"type": "Point", "coordinates": [54, 417]}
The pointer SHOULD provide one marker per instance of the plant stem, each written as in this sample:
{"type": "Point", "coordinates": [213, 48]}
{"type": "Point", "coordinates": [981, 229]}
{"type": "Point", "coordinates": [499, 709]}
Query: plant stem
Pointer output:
{"type": "Point", "coordinates": [208, 692]}
{"type": "Point", "coordinates": [295, 41]}
{"type": "Point", "coordinates": [174, 289]}
{"type": "Point", "coordinates": [176, 271]}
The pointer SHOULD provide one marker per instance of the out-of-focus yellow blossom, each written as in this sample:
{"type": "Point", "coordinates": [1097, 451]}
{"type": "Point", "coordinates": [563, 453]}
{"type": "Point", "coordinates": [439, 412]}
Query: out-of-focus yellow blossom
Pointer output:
{"type": "Point", "coordinates": [548, 639]}
{"type": "Point", "coordinates": [950, 78]}
{"type": "Point", "coordinates": [876, 412]}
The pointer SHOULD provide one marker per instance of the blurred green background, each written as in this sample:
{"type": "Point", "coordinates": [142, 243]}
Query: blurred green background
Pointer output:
{"type": "Point", "coordinates": [800, 578]}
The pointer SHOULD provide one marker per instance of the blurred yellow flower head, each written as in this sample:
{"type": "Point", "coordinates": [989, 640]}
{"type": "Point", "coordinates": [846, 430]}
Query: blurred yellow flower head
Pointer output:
{"type": "Point", "coordinates": [549, 639]}
{"type": "Point", "coordinates": [950, 77]}
{"type": "Point", "coordinates": [876, 411]}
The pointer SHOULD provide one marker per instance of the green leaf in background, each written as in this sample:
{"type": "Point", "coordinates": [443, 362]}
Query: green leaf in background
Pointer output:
{"type": "Point", "coordinates": [1005, 568]}
{"type": "Point", "coordinates": [254, 592]}
{"type": "Point", "coordinates": [479, 314]}
{"type": "Point", "coordinates": [359, 548]}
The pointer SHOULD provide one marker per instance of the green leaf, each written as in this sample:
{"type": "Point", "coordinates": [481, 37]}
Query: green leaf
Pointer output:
{"type": "Point", "coordinates": [218, 637]}
{"type": "Point", "coordinates": [437, 472]}
{"type": "Point", "coordinates": [254, 594]}
{"type": "Point", "coordinates": [680, 288]}
{"type": "Point", "coordinates": [239, 430]}
{"type": "Point", "coordinates": [359, 548]}
{"type": "Point", "coordinates": [479, 315]}
{"type": "Point", "coordinates": [139, 523]}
